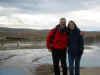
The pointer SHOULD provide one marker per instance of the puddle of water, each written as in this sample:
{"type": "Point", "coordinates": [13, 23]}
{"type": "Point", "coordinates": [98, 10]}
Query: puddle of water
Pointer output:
{"type": "Point", "coordinates": [91, 57]}
{"type": "Point", "coordinates": [12, 71]}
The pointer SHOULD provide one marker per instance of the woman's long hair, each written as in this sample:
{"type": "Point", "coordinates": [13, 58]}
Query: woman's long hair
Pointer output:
{"type": "Point", "coordinates": [71, 21]}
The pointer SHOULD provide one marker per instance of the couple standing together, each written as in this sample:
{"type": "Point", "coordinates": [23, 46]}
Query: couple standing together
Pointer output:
{"type": "Point", "coordinates": [62, 40]}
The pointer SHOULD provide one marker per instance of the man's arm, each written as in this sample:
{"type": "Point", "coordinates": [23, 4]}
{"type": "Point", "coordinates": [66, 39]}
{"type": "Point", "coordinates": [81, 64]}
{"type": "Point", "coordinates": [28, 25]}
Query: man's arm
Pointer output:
{"type": "Point", "coordinates": [49, 39]}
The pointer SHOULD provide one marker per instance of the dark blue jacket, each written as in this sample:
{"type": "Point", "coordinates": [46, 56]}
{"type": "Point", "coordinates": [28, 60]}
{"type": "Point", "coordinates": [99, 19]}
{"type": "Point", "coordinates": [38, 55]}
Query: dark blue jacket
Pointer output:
{"type": "Point", "coordinates": [76, 43]}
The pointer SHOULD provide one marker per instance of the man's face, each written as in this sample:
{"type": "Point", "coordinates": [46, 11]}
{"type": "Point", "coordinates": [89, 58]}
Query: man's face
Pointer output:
{"type": "Point", "coordinates": [63, 23]}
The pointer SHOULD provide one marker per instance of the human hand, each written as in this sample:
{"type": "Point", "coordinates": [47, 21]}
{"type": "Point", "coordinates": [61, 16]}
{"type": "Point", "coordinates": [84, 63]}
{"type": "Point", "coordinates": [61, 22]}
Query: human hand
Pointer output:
{"type": "Point", "coordinates": [49, 50]}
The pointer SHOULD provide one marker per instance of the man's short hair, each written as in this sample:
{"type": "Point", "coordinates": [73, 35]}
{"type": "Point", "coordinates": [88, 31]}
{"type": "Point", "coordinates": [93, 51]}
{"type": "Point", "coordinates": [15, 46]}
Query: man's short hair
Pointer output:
{"type": "Point", "coordinates": [62, 18]}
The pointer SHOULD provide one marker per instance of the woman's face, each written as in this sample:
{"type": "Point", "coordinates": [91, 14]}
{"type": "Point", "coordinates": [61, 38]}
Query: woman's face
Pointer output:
{"type": "Point", "coordinates": [71, 26]}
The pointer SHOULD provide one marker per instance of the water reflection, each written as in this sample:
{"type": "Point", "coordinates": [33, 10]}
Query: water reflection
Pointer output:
{"type": "Point", "coordinates": [90, 58]}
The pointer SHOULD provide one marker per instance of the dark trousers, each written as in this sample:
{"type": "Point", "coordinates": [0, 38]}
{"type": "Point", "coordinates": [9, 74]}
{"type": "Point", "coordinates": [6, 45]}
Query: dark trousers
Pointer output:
{"type": "Point", "coordinates": [57, 56]}
{"type": "Point", "coordinates": [74, 64]}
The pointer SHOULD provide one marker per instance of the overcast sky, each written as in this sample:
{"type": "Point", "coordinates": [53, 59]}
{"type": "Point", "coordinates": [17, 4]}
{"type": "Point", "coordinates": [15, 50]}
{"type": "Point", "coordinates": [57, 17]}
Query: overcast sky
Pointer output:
{"type": "Point", "coordinates": [45, 14]}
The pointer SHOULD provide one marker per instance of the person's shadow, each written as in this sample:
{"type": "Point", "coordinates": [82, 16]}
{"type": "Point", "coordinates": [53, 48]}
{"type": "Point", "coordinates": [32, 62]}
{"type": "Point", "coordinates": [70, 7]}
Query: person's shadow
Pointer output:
{"type": "Point", "coordinates": [44, 69]}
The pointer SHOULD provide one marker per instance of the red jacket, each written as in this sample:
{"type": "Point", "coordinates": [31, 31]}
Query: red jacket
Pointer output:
{"type": "Point", "coordinates": [60, 41]}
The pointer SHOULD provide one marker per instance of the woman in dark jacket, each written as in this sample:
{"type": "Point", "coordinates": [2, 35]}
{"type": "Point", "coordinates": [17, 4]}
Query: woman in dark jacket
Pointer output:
{"type": "Point", "coordinates": [75, 49]}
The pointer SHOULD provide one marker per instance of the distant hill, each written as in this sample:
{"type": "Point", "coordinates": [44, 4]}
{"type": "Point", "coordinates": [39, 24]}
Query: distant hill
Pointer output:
{"type": "Point", "coordinates": [22, 30]}
{"type": "Point", "coordinates": [23, 33]}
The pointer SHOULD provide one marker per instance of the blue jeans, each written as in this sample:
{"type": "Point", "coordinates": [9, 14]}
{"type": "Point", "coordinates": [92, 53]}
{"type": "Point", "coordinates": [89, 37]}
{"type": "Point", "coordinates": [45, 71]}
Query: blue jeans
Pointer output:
{"type": "Point", "coordinates": [74, 64]}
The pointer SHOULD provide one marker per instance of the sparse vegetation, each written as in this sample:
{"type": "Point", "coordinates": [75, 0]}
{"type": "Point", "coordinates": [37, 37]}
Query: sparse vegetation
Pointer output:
{"type": "Point", "coordinates": [35, 37]}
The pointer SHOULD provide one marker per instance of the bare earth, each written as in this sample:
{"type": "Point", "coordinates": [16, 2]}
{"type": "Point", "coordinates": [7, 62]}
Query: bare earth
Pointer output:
{"type": "Point", "coordinates": [91, 71]}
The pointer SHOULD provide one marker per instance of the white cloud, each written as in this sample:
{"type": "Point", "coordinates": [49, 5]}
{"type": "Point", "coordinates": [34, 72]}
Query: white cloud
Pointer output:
{"type": "Point", "coordinates": [86, 19]}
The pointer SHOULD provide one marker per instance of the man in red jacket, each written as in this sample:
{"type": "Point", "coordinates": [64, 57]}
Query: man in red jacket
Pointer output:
{"type": "Point", "coordinates": [57, 42]}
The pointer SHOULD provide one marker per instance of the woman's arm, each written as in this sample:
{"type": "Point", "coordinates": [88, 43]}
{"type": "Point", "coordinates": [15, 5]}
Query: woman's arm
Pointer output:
{"type": "Point", "coordinates": [81, 43]}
